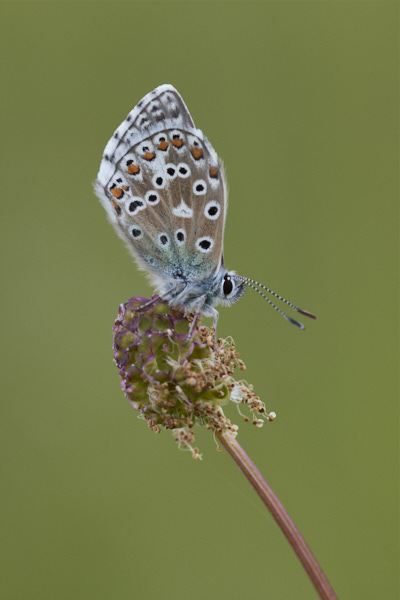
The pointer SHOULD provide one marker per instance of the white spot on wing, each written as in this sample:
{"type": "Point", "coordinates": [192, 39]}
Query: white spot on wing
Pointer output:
{"type": "Point", "coordinates": [200, 187]}
{"type": "Point", "coordinates": [205, 244]}
{"type": "Point", "coordinates": [163, 240]}
{"type": "Point", "coordinates": [158, 181]}
{"type": "Point", "coordinates": [135, 204]}
{"type": "Point", "coordinates": [152, 197]}
{"type": "Point", "coordinates": [180, 235]}
{"type": "Point", "coordinates": [212, 210]}
{"type": "Point", "coordinates": [183, 170]}
{"type": "Point", "coordinates": [171, 171]}
{"type": "Point", "coordinates": [183, 210]}
{"type": "Point", "coordinates": [136, 232]}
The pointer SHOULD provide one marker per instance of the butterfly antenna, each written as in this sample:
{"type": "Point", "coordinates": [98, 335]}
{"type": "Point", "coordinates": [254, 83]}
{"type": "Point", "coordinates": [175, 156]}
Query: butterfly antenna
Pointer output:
{"type": "Point", "coordinates": [252, 283]}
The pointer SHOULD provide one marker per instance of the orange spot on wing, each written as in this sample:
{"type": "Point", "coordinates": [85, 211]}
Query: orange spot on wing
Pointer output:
{"type": "Point", "coordinates": [177, 143]}
{"type": "Point", "coordinates": [149, 155]}
{"type": "Point", "coordinates": [214, 172]}
{"type": "Point", "coordinates": [133, 169]}
{"type": "Point", "coordinates": [117, 192]}
{"type": "Point", "coordinates": [197, 153]}
{"type": "Point", "coordinates": [163, 145]}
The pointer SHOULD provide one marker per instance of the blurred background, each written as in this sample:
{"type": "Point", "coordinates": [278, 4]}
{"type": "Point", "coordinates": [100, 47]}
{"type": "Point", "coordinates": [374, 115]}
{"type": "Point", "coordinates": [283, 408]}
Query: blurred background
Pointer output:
{"type": "Point", "coordinates": [300, 100]}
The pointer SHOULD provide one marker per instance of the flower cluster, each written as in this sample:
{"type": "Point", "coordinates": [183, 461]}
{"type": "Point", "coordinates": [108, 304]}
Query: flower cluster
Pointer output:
{"type": "Point", "coordinates": [176, 379]}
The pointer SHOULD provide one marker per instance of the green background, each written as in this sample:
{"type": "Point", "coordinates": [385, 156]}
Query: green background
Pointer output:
{"type": "Point", "coordinates": [300, 101]}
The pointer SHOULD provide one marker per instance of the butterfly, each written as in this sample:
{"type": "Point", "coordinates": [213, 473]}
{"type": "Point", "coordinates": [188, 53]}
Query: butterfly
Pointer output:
{"type": "Point", "coordinates": [164, 190]}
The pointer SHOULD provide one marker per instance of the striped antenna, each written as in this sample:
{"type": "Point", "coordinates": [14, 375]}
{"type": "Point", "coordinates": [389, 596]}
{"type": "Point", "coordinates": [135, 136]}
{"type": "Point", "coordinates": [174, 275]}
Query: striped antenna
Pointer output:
{"type": "Point", "coordinates": [252, 283]}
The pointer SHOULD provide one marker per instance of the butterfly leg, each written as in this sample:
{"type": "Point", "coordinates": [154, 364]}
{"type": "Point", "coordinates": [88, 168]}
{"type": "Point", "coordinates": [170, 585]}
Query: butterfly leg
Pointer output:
{"type": "Point", "coordinates": [215, 321]}
{"type": "Point", "coordinates": [196, 315]}
{"type": "Point", "coordinates": [149, 304]}
{"type": "Point", "coordinates": [161, 298]}
{"type": "Point", "coordinates": [198, 311]}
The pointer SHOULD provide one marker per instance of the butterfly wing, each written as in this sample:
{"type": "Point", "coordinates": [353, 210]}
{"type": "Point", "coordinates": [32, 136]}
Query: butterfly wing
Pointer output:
{"type": "Point", "coordinates": [164, 190]}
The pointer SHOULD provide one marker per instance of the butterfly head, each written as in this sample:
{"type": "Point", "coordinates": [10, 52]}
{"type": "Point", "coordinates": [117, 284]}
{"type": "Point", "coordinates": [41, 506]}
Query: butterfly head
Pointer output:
{"type": "Point", "coordinates": [230, 289]}
{"type": "Point", "coordinates": [223, 289]}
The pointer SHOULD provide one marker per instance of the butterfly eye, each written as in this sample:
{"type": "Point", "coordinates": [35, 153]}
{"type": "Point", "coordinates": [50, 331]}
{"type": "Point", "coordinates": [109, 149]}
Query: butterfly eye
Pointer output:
{"type": "Point", "coordinates": [227, 286]}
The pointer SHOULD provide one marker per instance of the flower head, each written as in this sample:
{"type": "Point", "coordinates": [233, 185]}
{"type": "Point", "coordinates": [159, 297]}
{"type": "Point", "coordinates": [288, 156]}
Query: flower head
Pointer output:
{"type": "Point", "coordinates": [174, 379]}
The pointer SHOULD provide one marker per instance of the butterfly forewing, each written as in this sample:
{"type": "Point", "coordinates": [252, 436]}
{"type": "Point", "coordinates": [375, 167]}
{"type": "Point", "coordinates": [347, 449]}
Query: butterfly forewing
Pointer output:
{"type": "Point", "coordinates": [162, 105]}
{"type": "Point", "coordinates": [164, 189]}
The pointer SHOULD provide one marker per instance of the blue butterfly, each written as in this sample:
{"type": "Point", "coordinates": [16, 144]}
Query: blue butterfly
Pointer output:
{"type": "Point", "coordinates": [164, 190]}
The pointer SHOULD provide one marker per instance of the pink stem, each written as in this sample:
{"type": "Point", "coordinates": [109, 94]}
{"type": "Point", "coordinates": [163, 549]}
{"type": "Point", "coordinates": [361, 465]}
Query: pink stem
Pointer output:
{"type": "Point", "coordinates": [280, 515]}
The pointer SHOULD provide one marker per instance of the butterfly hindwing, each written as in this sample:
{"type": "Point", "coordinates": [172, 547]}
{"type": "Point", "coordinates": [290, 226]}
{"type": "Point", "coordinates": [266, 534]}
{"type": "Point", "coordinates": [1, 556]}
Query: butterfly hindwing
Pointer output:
{"type": "Point", "coordinates": [164, 189]}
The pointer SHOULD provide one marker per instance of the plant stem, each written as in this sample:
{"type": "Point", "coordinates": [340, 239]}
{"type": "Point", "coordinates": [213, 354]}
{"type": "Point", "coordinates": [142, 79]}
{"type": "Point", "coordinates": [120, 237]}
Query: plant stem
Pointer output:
{"type": "Point", "coordinates": [280, 515]}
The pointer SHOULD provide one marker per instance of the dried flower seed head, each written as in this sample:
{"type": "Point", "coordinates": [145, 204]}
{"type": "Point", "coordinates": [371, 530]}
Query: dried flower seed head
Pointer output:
{"type": "Point", "coordinates": [174, 381]}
